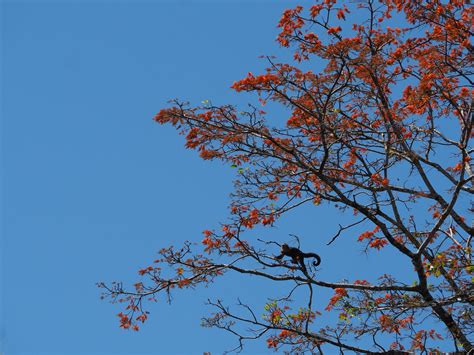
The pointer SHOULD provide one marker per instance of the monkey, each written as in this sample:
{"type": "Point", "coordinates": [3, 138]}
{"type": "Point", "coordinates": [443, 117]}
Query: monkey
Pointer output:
{"type": "Point", "coordinates": [297, 256]}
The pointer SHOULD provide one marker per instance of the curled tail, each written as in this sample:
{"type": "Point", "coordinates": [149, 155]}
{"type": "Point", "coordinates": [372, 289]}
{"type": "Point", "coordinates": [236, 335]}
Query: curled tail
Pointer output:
{"type": "Point", "coordinates": [313, 255]}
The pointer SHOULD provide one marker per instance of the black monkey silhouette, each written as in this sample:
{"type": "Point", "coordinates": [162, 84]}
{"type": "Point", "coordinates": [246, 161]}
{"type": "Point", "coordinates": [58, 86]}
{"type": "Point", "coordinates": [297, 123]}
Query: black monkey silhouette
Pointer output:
{"type": "Point", "coordinates": [297, 256]}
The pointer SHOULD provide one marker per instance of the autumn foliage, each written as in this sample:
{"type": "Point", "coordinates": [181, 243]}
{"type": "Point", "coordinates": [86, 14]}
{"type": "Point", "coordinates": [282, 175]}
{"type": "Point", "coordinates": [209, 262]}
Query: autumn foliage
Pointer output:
{"type": "Point", "coordinates": [381, 127]}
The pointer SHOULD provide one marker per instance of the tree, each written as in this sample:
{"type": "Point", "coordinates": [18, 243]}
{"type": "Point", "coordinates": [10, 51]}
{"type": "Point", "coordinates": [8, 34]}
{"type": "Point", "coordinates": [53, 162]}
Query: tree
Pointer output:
{"type": "Point", "coordinates": [382, 131]}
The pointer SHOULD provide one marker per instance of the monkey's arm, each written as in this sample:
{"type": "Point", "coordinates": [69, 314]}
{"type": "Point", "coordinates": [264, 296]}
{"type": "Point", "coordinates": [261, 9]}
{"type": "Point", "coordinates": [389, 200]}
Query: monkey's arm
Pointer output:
{"type": "Point", "coordinates": [279, 257]}
{"type": "Point", "coordinates": [294, 258]}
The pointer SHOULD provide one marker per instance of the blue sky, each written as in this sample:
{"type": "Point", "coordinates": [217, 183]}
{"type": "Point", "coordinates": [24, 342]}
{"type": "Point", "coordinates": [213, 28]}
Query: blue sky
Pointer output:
{"type": "Point", "coordinates": [92, 187]}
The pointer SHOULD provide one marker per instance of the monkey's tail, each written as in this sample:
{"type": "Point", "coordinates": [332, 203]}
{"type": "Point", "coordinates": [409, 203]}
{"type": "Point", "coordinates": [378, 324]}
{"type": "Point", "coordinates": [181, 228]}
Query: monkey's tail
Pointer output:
{"type": "Point", "coordinates": [313, 255]}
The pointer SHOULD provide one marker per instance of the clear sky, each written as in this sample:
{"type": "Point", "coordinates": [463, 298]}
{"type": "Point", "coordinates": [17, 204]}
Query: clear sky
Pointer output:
{"type": "Point", "coordinates": [92, 187]}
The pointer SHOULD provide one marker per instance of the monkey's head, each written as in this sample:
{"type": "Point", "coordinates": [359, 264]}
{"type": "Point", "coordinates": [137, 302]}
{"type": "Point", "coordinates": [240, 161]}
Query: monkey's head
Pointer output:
{"type": "Point", "coordinates": [285, 247]}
